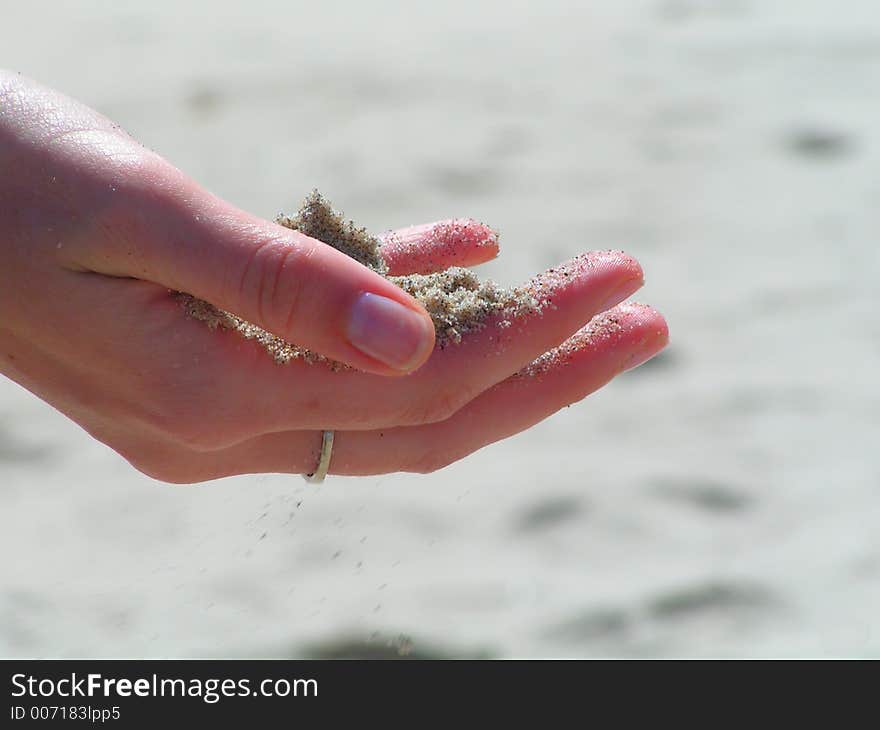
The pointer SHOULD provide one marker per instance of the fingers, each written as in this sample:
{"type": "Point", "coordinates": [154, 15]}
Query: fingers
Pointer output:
{"type": "Point", "coordinates": [212, 388]}
{"type": "Point", "coordinates": [613, 342]}
{"type": "Point", "coordinates": [259, 396]}
{"type": "Point", "coordinates": [432, 247]}
{"type": "Point", "coordinates": [170, 232]}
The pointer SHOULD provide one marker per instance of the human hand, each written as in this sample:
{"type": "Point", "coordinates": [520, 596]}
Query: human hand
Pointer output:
{"type": "Point", "coordinates": [96, 233]}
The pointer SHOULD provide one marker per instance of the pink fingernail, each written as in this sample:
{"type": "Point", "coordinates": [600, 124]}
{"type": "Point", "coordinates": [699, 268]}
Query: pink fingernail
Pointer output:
{"type": "Point", "coordinates": [388, 331]}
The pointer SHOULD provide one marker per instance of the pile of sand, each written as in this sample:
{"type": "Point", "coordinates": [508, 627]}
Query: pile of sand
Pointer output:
{"type": "Point", "coordinates": [457, 300]}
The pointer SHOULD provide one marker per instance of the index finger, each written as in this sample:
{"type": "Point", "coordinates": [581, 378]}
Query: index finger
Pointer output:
{"type": "Point", "coordinates": [432, 247]}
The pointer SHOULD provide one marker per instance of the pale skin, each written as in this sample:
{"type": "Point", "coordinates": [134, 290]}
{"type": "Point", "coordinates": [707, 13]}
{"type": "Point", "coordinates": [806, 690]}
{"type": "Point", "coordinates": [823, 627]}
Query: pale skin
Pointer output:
{"type": "Point", "coordinates": [96, 232]}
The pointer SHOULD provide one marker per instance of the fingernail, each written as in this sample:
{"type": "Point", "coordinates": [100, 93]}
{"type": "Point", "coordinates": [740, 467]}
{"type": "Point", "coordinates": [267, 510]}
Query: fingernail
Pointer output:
{"type": "Point", "coordinates": [388, 331]}
{"type": "Point", "coordinates": [647, 350]}
{"type": "Point", "coordinates": [623, 290]}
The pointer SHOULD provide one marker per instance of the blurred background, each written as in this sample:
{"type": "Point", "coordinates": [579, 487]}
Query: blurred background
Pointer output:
{"type": "Point", "coordinates": [723, 500]}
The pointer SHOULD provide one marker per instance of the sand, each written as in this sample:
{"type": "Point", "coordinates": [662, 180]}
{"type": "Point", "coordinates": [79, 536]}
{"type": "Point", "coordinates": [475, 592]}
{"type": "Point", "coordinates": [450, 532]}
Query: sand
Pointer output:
{"type": "Point", "coordinates": [317, 219]}
{"type": "Point", "coordinates": [456, 299]}
{"type": "Point", "coordinates": [603, 326]}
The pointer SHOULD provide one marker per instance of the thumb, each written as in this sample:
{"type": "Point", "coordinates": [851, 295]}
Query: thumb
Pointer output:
{"type": "Point", "coordinates": [283, 281]}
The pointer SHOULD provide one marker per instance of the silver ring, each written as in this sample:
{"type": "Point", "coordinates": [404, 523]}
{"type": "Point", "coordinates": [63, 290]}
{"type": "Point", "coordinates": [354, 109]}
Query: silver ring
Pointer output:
{"type": "Point", "coordinates": [317, 476]}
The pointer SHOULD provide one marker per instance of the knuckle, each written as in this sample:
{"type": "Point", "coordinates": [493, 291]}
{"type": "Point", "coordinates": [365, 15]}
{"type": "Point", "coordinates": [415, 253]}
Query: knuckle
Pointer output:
{"type": "Point", "coordinates": [268, 280]}
{"type": "Point", "coordinates": [126, 201]}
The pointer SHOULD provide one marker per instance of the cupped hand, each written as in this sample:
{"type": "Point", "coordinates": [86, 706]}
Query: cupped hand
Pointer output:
{"type": "Point", "coordinates": [97, 233]}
